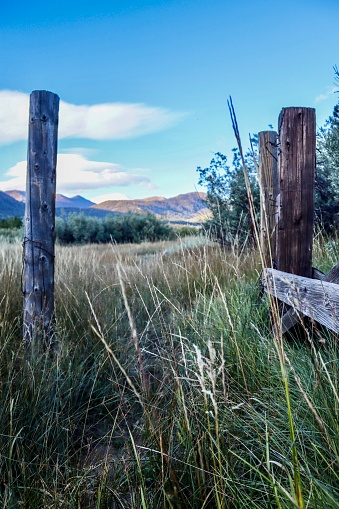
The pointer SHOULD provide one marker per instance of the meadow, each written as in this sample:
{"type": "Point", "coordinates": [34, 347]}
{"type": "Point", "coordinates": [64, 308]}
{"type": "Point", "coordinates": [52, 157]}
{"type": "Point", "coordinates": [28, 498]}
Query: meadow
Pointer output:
{"type": "Point", "coordinates": [166, 387]}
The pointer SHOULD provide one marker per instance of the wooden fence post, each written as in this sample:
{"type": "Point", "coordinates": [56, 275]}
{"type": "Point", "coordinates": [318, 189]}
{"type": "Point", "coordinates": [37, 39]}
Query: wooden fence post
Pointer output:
{"type": "Point", "coordinates": [296, 168]}
{"type": "Point", "coordinates": [268, 181]}
{"type": "Point", "coordinates": [39, 224]}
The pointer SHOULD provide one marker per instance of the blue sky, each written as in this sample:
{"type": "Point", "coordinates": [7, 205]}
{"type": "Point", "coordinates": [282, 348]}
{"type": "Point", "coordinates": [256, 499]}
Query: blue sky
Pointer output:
{"type": "Point", "coordinates": [144, 84]}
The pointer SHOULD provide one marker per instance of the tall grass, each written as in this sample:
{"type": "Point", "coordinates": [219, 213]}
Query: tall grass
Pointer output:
{"type": "Point", "coordinates": [167, 388]}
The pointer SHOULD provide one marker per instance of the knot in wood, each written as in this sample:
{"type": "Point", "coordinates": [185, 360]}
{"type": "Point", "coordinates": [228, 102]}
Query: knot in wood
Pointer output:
{"type": "Point", "coordinates": [327, 302]}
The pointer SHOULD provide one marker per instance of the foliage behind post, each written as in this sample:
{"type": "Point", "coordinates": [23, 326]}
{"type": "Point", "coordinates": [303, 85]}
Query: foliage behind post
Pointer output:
{"type": "Point", "coordinates": [327, 172]}
{"type": "Point", "coordinates": [227, 196]}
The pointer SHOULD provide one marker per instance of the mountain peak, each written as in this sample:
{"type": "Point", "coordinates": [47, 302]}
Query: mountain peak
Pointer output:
{"type": "Point", "coordinates": [10, 207]}
{"type": "Point", "coordinates": [61, 201]}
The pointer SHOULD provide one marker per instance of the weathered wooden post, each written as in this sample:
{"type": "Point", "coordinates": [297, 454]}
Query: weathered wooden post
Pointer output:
{"type": "Point", "coordinates": [292, 284]}
{"type": "Point", "coordinates": [296, 169]}
{"type": "Point", "coordinates": [268, 181]}
{"type": "Point", "coordinates": [39, 224]}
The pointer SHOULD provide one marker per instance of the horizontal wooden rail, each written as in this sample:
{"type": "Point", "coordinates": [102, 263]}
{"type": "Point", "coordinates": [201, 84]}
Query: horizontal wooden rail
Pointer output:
{"type": "Point", "coordinates": [314, 298]}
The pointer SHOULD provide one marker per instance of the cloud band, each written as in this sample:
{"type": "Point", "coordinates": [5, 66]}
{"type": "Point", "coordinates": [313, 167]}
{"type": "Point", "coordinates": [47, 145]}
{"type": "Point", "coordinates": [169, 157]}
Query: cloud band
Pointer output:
{"type": "Point", "coordinates": [75, 172]}
{"type": "Point", "coordinates": [106, 121]}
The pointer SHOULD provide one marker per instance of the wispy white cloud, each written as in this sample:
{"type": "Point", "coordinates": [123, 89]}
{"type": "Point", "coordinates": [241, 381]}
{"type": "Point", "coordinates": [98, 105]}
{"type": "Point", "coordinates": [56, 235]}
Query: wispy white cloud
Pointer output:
{"type": "Point", "coordinates": [14, 109]}
{"type": "Point", "coordinates": [82, 151]}
{"type": "Point", "coordinates": [76, 173]}
{"type": "Point", "coordinates": [110, 196]}
{"type": "Point", "coordinates": [113, 120]}
{"type": "Point", "coordinates": [105, 121]}
{"type": "Point", "coordinates": [327, 95]}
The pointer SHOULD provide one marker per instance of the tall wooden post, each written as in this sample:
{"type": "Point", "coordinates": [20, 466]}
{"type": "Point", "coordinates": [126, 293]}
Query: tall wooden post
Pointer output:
{"type": "Point", "coordinates": [268, 181]}
{"type": "Point", "coordinates": [296, 168]}
{"type": "Point", "coordinates": [39, 224]}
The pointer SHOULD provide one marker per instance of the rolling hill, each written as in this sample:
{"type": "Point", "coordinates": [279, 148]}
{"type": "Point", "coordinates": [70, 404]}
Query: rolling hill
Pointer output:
{"type": "Point", "coordinates": [188, 208]}
{"type": "Point", "coordinates": [10, 207]}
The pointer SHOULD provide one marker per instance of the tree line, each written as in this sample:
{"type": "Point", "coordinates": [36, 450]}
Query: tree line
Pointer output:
{"type": "Point", "coordinates": [119, 228]}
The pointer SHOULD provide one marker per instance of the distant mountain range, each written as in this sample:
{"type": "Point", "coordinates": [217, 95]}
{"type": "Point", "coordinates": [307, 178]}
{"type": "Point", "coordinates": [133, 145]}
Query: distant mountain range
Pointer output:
{"type": "Point", "coordinates": [189, 207]}
{"type": "Point", "coordinates": [60, 200]}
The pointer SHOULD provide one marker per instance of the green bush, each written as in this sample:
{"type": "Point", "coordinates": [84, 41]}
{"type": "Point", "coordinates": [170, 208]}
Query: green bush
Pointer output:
{"type": "Point", "coordinates": [11, 223]}
{"type": "Point", "coordinates": [188, 231]}
{"type": "Point", "coordinates": [227, 196]}
{"type": "Point", "coordinates": [122, 228]}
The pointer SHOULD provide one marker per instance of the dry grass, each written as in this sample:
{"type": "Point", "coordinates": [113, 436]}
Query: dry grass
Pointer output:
{"type": "Point", "coordinates": [166, 389]}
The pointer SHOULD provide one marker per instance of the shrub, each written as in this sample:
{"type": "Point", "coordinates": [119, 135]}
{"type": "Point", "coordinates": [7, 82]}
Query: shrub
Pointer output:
{"type": "Point", "coordinates": [122, 228]}
{"type": "Point", "coordinates": [11, 223]}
